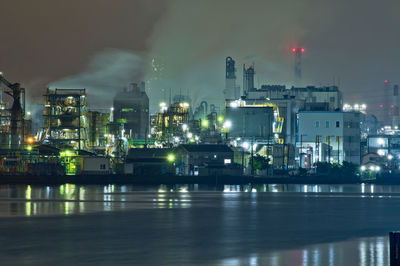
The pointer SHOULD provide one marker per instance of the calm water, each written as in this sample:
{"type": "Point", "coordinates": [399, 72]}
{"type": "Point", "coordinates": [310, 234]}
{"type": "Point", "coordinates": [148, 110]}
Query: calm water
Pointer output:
{"type": "Point", "coordinates": [197, 225]}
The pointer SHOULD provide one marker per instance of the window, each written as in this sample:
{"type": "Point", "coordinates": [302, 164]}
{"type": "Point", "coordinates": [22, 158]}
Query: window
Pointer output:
{"type": "Point", "coordinates": [337, 124]}
{"type": "Point", "coordinates": [316, 123]}
{"type": "Point", "coordinates": [102, 166]}
{"type": "Point", "coordinates": [327, 124]}
{"type": "Point", "coordinates": [227, 161]}
{"type": "Point", "coordinates": [332, 99]}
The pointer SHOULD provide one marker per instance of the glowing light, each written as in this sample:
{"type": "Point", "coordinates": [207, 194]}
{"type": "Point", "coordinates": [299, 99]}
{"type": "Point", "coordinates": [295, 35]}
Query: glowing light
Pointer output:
{"type": "Point", "coordinates": [377, 168]}
{"type": "Point", "coordinates": [184, 127]}
{"type": "Point", "coordinates": [245, 145]}
{"type": "Point", "coordinates": [220, 119]}
{"type": "Point", "coordinates": [390, 157]}
{"type": "Point", "coordinates": [303, 50]}
{"type": "Point", "coordinates": [363, 168]}
{"type": "Point", "coordinates": [30, 140]}
{"type": "Point", "coordinates": [204, 123]}
{"type": "Point", "coordinates": [29, 148]}
{"type": "Point", "coordinates": [381, 105]}
{"type": "Point", "coordinates": [386, 81]}
{"type": "Point", "coordinates": [227, 124]}
{"type": "Point", "coordinates": [171, 157]}
{"type": "Point", "coordinates": [189, 135]}
{"type": "Point", "coordinates": [294, 50]}
{"type": "Point", "coordinates": [391, 106]}
{"type": "Point", "coordinates": [233, 104]}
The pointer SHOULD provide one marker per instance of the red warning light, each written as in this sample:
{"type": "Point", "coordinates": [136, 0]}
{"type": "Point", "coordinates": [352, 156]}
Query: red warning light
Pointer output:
{"type": "Point", "coordinates": [294, 50]}
{"type": "Point", "coordinates": [381, 105]}
{"type": "Point", "coordinates": [391, 106]}
{"type": "Point", "coordinates": [386, 81]}
{"type": "Point", "coordinates": [302, 50]}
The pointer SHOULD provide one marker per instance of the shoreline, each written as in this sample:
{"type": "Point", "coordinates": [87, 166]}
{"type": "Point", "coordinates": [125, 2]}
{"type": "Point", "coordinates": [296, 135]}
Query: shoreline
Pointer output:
{"type": "Point", "coordinates": [169, 179]}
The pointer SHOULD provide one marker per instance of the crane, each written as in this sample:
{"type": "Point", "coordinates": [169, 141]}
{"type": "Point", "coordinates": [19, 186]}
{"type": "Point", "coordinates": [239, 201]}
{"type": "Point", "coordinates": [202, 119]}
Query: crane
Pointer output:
{"type": "Point", "coordinates": [17, 113]}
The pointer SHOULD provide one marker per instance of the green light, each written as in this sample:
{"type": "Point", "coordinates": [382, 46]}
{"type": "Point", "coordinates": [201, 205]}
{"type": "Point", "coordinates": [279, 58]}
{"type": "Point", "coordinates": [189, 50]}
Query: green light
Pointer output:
{"type": "Point", "coordinates": [220, 119]}
{"type": "Point", "coordinates": [29, 147]}
{"type": "Point", "coordinates": [204, 123]}
{"type": "Point", "coordinates": [171, 158]}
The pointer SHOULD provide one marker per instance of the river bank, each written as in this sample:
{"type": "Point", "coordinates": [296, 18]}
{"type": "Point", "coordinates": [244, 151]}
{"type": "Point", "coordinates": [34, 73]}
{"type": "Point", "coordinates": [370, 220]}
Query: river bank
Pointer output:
{"type": "Point", "coordinates": [165, 179]}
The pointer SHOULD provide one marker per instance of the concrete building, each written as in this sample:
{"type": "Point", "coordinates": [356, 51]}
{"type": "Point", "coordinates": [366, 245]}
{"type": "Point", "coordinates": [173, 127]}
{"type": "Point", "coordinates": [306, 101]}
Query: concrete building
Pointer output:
{"type": "Point", "coordinates": [191, 157]}
{"type": "Point", "coordinates": [384, 145]}
{"type": "Point", "coordinates": [288, 109]}
{"type": "Point", "coordinates": [150, 161]}
{"type": "Point", "coordinates": [131, 107]}
{"type": "Point", "coordinates": [311, 95]}
{"type": "Point", "coordinates": [96, 165]}
{"type": "Point", "coordinates": [250, 121]}
{"type": "Point", "coordinates": [339, 131]}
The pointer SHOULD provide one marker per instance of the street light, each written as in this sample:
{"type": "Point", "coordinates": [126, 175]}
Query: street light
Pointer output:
{"type": "Point", "coordinates": [171, 158]}
{"type": "Point", "coordinates": [227, 125]}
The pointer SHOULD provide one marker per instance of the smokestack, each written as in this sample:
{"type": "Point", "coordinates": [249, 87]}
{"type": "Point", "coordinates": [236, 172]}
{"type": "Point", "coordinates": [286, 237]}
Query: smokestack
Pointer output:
{"type": "Point", "coordinates": [395, 106]}
{"type": "Point", "coordinates": [386, 111]}
{"type": "Point", "coordinates": [142, 86]}
{"type": "Point", "coordinates": [230, 91]}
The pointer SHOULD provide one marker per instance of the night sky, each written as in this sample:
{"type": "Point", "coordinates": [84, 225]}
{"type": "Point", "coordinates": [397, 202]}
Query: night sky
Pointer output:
{"type": "Point", "coordinates": [102, 45]}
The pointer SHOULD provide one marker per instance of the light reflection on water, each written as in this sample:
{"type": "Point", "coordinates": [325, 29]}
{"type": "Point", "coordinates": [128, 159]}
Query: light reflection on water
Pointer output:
{"type": "Point", "coordinates": [75, 199]}
{"type": "Point", "coordinates": [362, 251]}
{"type": "Point", "coordinates": [275, 224]}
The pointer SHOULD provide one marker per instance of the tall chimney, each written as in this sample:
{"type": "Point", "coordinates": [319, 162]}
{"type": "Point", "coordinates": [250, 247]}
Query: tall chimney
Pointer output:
{"type": "Point", "coordinates": [395, 106]}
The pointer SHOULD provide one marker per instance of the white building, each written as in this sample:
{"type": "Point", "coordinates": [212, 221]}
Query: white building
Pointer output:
{"type": "Point", "coordinates": [328, 136]}
{"type": "Point", "coordinates": [311, 95]}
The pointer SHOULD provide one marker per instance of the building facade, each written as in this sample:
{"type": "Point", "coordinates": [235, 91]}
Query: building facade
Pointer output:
{"type": "Point", "coordinates": [328, 137]}
{"type": "Point", "coordinates": [311, 95]}
{"type": "Point", "coordinates": [131, 107]}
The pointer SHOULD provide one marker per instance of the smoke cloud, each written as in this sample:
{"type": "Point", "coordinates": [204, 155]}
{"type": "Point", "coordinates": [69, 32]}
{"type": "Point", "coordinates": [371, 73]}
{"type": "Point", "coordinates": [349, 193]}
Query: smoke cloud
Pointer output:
{"type": "Point", "coordinates": [106, 74]}
{"type": "Point", "coordinates": [353, 44]}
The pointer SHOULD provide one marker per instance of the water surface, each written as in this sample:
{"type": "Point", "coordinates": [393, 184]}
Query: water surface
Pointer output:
{"type": "Point", "coordinates": [197, 225]}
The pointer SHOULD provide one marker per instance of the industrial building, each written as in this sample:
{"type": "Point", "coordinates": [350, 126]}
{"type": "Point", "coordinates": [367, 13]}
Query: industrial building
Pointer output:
{"type": "Point", "coordinates": [131, 107]}
{"type": "Point", "coordinates": [170, 121]}
{"type": "Point", "coordinates": [328, 137]}
{"type": "Point", "coordinates": [232, 91]}
{"type": "Point", "coordinates": [98, 131]}
{"type": "Point", "coordinates": [249, 121]}
{"type": "Point", "coordinates": [248, 79]}
{"type": "Point", "coordinates": [195, 159]}
{"type": "Point", "coordinates": [66, 120]}
{"type": "Point", "coordinates": [12, 120]}
{"type": "Point", "coordinates": [331, 95]}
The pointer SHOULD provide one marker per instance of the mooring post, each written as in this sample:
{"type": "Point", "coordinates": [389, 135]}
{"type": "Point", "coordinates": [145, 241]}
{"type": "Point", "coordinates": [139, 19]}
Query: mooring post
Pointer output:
{"type": "Point", "coordinates": [394, 238]}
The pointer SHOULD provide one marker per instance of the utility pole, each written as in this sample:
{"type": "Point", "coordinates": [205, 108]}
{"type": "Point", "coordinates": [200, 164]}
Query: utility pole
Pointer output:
{"type": "Point", "coordinates": [338, 150]}
{"type": "Point", "coordinates": [328, 139]}
{"type": "Point", "coordinates": [301, 148]}
{"type": "Point", "coordinates": [252, 158]}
